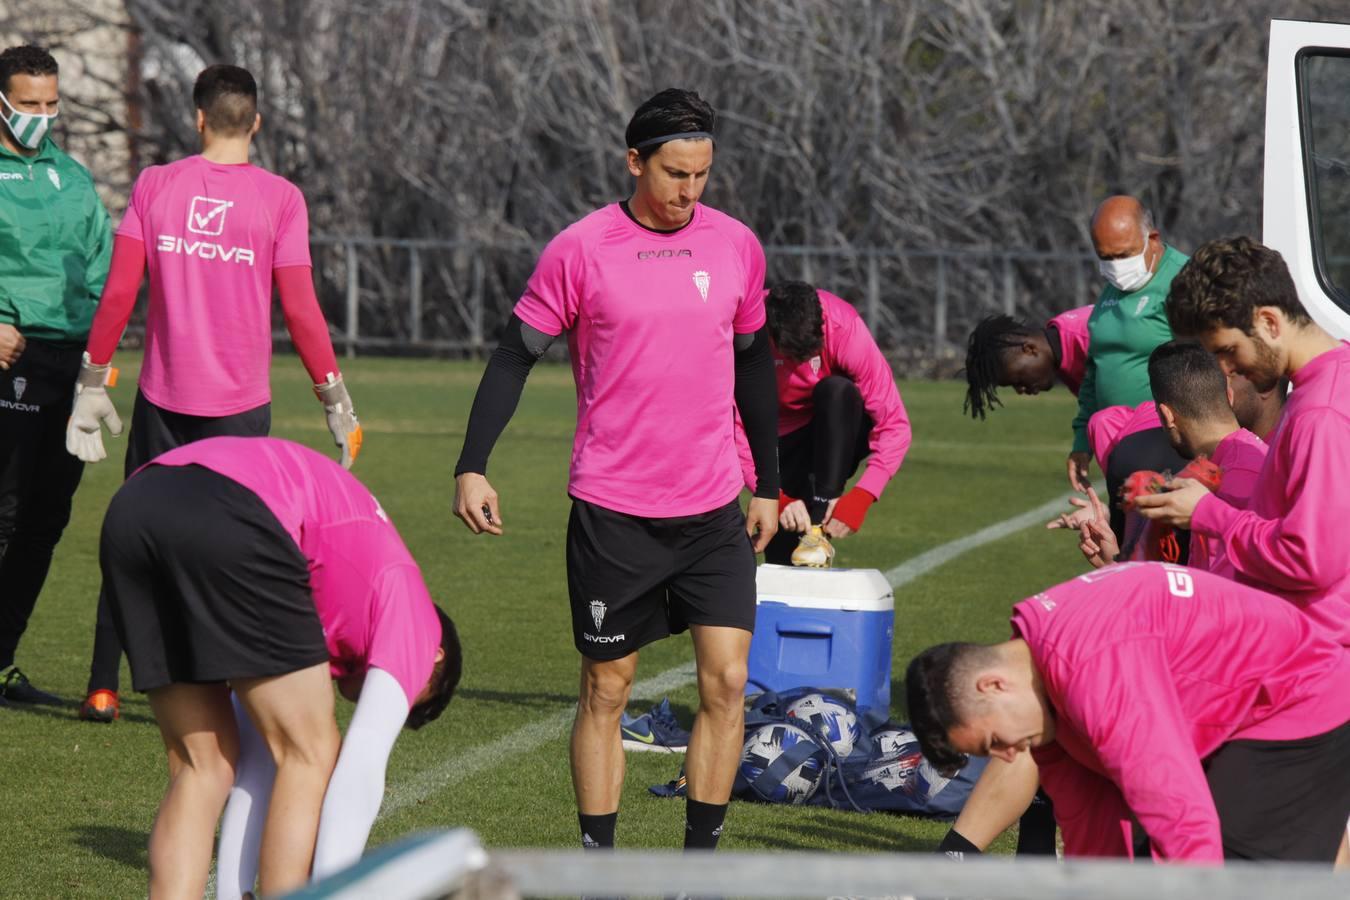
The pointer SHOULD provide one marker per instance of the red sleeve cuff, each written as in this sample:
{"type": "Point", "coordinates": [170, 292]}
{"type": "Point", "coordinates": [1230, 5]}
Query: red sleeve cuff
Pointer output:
{"type": "Point", "coordinates": [783, 501]}
{"type": "Point", "coordinates": [852, 508]}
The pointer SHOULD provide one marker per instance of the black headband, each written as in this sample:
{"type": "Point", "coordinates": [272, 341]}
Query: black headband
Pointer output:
{"type": "Point", "coordinates": [681, 136]}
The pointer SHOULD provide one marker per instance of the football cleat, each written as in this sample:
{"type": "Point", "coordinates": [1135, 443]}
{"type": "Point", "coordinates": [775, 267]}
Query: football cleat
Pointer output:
{"type": "Point", "coordinates": [17, 689]}
{"type": "Point", "coordinates": [101, 706]}
{"type": "Point", "coordinates": [814, 550]}
{"type": "Point", "coordinates": [656, 731]}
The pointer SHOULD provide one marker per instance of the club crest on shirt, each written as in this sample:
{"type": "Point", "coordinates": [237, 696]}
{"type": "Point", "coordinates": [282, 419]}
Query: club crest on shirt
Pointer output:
{"type": "Point", "coordinates": [701, 281]}
{"type": "Point", "coordinates": [20, 385]}
{"type": "Point", "coordinates": [815, 365]}
{"type": "Point", "coordinates": [598, 614]}
{"type": "Point", "coordinates": [56, 179]}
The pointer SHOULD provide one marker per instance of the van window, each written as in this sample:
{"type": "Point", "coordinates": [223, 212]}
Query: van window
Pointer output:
{"type": "Point", "coordinates": [1324, 101]}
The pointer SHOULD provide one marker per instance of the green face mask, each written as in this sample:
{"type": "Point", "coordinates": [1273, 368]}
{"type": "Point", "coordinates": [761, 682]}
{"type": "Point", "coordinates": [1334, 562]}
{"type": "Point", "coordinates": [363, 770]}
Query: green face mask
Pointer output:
{"type": "Point", "coordinates": [28, 128]}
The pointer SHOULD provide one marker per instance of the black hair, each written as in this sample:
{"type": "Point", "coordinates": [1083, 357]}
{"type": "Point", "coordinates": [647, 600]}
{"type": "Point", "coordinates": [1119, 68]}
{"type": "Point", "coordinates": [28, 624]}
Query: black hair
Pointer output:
{"type": "Point", "coordinates": [228, 96]}
{"type": "Point", "coordinates": [992, 337]}
{"type": "Point", "coordinates": [1187, 377]}
{"type": "Point", "coordinates": [673, 111]}
{"type": "Point", "coordinates": [1224, 282]}
{"type": "Point", "coordinates": [795, 321]}
{"type": "Point", "coordinates": [932, 686]}
{"type": "Point", "coordinates": [25, 60]}
{"type": "Point", "coordinates": [444, 677]}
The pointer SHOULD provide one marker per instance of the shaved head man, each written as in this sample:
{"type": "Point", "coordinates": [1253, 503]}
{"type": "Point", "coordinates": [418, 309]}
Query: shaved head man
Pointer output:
{"type": "Point", "coordinates": [1128, 320]}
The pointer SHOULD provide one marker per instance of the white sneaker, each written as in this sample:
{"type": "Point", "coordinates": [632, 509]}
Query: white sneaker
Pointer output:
{"type": "Point", "coordinates": [813, 550]}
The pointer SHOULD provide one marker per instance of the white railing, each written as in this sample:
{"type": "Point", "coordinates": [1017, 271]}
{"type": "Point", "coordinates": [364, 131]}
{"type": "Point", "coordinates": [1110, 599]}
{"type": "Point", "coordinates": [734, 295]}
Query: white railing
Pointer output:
{"type": "Point", "coordinates": [455, 865]}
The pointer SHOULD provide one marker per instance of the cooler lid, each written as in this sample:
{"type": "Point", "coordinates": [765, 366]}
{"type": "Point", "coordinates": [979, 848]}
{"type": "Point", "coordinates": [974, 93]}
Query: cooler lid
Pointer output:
{"type": "Point", "coordinates": [863, 590]}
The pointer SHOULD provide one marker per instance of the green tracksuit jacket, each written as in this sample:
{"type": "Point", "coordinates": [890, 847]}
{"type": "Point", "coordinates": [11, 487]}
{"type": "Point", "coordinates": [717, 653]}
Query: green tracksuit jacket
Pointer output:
{"type": "Point", "coordinates": [1123, 330]}
{"type": "Point", "coordinates": [55, 244]}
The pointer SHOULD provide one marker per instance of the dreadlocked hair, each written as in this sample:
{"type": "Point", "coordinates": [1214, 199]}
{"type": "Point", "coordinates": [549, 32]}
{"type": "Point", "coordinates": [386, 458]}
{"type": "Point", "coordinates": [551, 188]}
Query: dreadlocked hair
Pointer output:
{"type": "Point", "coordinates": [984, 359]}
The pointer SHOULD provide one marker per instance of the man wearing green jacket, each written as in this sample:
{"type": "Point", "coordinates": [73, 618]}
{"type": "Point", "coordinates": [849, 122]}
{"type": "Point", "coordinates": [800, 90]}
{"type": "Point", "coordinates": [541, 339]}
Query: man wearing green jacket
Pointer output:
{"type": "Point", "coordinates": [55, 244]}
{"type": "Point", "coordinates": [1128, 320]}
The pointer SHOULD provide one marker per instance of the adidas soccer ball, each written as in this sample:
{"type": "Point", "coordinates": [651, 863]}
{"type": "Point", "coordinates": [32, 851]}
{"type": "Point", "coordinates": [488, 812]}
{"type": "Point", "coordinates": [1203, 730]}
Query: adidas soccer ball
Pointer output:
{"type": "Point", "coordinates": [828, 718]}
{"type": "Point", "coordinates": [929, 781]}
{"type": "Point", "coordinates": [765, 745]}
{"type": "Point", "coordinates": [895, 742]}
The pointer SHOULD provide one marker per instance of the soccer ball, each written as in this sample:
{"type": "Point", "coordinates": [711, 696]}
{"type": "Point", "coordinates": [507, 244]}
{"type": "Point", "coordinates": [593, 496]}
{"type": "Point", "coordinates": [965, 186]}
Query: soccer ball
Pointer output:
{"type": "Point", "coordinates": [895, 742]}
{"type": "Point", "coordinates": [929, 781]}
{"type": "Point", "coordinates": [828, 718]}
{"type": "Point", "coordinates": [897, 773]}
{"type": "Point", "coordinates": [765, 745]}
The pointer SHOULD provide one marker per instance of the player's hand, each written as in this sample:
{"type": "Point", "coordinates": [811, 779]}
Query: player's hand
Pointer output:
{"type": "Point", "coordinates": [476, 504]}
{"type": "Point", "coordinates": [342, 422]}
{"type": "Point", "coordinates": [1175, 505]}
{"type": "Point", "coordinates": [794, 517]}
{"type": "Point", "coordinates": [1098, 543]}
{"type": "Point", "coordinates": [11, 346]}
{"type": "Point", "coordinates": [1086, 510]}
{"type": "Point", "coordinates": [1077, 465]}
{"type": "Point", "coordinates": [91, 410]}
{"type": "Point", "coordinates": [833, 527]}
{"type": "Point", "coordinates": [761, 521]}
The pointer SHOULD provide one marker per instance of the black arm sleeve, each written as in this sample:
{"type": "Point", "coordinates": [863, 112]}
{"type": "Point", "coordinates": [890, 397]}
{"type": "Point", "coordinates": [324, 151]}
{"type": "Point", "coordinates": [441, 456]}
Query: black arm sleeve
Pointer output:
{"type": "Point", "coordinates": [757, 400]}
{"type": "Point", "coordinates": [499, 392]}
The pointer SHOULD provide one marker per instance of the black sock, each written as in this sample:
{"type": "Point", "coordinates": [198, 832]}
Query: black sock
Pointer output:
{"type": "Point", "coordinates": [597, 832]}
{"type": "Point", "coordinates": [703, 824]}
{"type": "Point", "coordinates": [1036, 830]}
{"type": "Point", "coordinates": [815, 508]}
{"type": "Point", "coordinates": [956, 846]}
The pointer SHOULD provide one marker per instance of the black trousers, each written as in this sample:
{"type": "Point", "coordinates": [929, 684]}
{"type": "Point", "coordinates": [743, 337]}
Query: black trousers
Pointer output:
{"type": "Point", "coordinates": [38, 477]}
{"type": "Point", "coordinates": [155, 431]}
{"type": "Point", "coordinates": [817, 460]}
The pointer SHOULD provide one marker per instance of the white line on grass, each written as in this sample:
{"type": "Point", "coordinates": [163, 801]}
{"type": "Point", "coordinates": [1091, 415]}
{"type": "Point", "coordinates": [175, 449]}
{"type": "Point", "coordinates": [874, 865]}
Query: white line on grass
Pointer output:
{"type": "Point", "coordinates": [534, 735]}
{"type": "Point", "coordinates": [929, 560]}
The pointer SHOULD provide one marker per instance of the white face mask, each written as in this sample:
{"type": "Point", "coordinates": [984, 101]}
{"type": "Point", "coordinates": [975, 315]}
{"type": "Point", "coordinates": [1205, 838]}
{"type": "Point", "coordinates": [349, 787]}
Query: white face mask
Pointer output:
{"type": "Point", "coordinates": [1127, 275]}
{"type": "Point", "coordinates": [28, 128]}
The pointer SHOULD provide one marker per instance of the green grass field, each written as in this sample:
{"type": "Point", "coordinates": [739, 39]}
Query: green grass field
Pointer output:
{"type": "Point", "coordinates": [77, 800]}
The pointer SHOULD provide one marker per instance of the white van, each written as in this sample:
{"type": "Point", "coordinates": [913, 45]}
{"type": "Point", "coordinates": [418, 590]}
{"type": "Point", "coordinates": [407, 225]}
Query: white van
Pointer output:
{"type": "Point", "coordinates": [1307, 172]}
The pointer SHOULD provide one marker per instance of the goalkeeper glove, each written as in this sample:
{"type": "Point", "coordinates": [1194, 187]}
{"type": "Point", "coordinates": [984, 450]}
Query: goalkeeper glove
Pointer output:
{"type": "Point", "coordinates": [342, 423]}
{"type": "Point", "coordinates": [92, 409]}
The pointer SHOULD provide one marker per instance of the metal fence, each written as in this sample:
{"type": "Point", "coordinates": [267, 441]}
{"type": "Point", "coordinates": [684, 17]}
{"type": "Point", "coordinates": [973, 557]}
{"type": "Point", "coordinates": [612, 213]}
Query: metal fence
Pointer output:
{"type": "Point", "coordinates": [454, 865]}
{"type": "Point", "coordinates": [434, 296]}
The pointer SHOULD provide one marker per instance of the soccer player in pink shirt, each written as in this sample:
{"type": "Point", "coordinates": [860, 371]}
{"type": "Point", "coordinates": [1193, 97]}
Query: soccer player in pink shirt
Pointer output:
{"type": "Point", "coordinates": [1004, 351]}
{"type": "Point", "coordinates": [1237, 297]}
{"type": "Point", "coordinates": [260, 567]}
{"type": "Point", "coordinates": [837, 405]}
{"type": "Point", "coordinates": [1213, 714]}
{"type": "Point", "coordinates": [216, 234]}
{"type": "Point", "coordinates": [1202, 413]}
{"type": "Point", "coordinates": [662, 302]}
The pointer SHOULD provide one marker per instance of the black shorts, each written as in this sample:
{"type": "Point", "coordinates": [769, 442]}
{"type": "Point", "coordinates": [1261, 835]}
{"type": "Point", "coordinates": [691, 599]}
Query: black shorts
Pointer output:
{"type": "Point", "coordinates": [155, 430]}
{"type": "Point", "coordinates": [634, 580]}
{"type": "Point", "coordinates": [203, 583]}
{"type": "Point", "coordinates": [1285, 800]}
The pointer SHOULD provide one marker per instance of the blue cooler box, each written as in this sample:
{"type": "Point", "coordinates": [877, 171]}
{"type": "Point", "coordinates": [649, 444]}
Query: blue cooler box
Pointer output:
{"type": "Point", "coordinates": [828, 628]}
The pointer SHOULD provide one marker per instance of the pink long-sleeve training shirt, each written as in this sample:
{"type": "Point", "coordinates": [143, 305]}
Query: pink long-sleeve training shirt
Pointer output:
{"type": "Point", "coordinates": [850, 351]}
{"type": "Point", "coordinates": [1239, 457]}
{"type": "Point", "coordinates": [1073, 345]}
{"type": "Point", "coordinates": [1140, 697]}
{"type": "Point", "coordinates": [1289, 540]}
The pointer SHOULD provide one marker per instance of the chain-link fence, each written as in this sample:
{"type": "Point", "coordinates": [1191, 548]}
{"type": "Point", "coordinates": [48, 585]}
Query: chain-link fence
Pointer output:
{"type": "Point", "coordinates": [426, 296]}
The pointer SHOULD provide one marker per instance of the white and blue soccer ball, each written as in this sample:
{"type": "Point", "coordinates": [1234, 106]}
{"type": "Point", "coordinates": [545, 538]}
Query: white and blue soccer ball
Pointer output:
{"type": "Point", "coordinates": [897, 774]}
{"type": "Point", "coordinates": [763, 747]}
{"type": "Point", "coordinates": [929, 781]}
{"type": "Point", "coordinates": [895, 742]}
{"type": "Point", "coordinates": [828, 718]}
